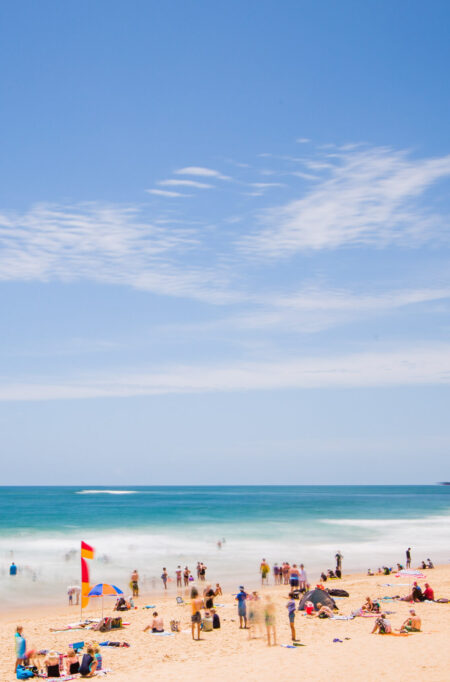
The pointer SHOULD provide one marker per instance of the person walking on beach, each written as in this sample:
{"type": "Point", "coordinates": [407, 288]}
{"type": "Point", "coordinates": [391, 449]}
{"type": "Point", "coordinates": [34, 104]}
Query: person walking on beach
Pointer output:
{"type": "Point", "coordinates": [164, 577]}
{"type": "Point", "coordinates": [269, 619]}
{"type": "Point", "coordinates": [13, 569]}
{"type": "Point", "coordinates": [196, 617]}
{"type": "Point", "coordinates": [135, 583]}
{"type": "Point", "coordinates": [241, 599]}
{"type": "Point", "coordinates": [408, 557]}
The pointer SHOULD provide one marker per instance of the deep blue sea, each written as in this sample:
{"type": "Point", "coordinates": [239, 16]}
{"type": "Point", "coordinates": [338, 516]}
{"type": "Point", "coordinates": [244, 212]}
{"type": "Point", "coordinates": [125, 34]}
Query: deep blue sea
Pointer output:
{"type": "Point", "coordinates": [154, 527]}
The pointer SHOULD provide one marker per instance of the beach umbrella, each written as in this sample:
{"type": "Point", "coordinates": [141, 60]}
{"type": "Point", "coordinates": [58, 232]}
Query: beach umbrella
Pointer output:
{"type": "Point", "coordinates": [104, 590]}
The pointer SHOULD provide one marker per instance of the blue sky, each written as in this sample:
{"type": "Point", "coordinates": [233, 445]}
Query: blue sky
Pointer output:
{"type": "Point", "coordinates": [224, 242]}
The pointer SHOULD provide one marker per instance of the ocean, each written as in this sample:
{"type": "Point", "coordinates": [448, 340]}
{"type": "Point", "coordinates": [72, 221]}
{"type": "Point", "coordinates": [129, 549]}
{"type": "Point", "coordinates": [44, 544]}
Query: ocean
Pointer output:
{"type": "Point", "coordinates": [149, 528]}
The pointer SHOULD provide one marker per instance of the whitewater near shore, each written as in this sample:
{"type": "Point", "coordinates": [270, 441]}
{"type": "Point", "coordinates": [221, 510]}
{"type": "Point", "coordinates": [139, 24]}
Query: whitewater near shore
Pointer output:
{"type": "Point", "coordinates": [229, 654]}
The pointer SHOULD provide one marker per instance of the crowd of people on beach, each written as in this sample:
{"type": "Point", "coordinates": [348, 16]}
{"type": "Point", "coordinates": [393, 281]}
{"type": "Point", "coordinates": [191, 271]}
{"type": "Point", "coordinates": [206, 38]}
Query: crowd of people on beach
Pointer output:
{"type": "Point", "coordinates": [255, 613]}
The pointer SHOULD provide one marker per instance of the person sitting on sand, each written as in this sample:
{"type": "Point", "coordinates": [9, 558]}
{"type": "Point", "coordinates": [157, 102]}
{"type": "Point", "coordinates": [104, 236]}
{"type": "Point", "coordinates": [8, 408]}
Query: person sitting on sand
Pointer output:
{"type": "Point", "coordinates": [330, 574]}
{"type": "Point", "coordinates": [430, 564]}
{"type": "Point", "coordinates": [309, 608]}
{"type": "Point", "coordinates": [157, 624]}
{"type": "Point", "coordinates": [51, 664]}
{"type": "Point", "coordinates": [369, 572]}
{"type": "Point", "coordinates": [196, 617]}
{"type": "Point", "coordinates": [215, 619]}
{"type": "Point", "coordinates": [368, 605]}
{"type": "Point", "coordinates": [423, 565]}
{"type": "Point", "coordinates": [412, 624]}
{"type": "Point", "coordinates": [428, 593]}
{"type": "Point", "coordinates": [382, 626]}
{"type": "Point", "coordinates": [218, 591]}
{"type": "Point", "coordinates": [323, 577]}
{"type": "Point", "coordinates": [324, 611]}
{"type": "Point", "coordinates": [88, 663]}
{"type": "Point", "coordinates": [72, 663]}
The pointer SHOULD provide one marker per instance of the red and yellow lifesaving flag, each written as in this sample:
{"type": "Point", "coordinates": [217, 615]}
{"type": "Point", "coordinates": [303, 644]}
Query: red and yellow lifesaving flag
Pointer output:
{"type": "Point", "coordinates": [87, 552]}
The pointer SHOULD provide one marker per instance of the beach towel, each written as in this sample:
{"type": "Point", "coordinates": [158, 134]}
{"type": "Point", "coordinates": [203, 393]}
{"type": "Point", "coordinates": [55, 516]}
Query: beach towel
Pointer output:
{"type": "Point", "coordinates": [292, 646]}
{"type": "Point", "coordinates": [162, 634]}
{"type": "Point", "coordinates": [342, 617]}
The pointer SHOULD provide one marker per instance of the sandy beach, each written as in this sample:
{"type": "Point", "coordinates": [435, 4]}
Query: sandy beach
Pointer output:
{"type": "Point", "coordinates": [229, 654]}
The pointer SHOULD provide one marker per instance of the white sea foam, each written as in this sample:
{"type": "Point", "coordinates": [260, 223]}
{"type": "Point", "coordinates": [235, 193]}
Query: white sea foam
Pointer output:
{"type": "Point", "coordinates": [107, 492]}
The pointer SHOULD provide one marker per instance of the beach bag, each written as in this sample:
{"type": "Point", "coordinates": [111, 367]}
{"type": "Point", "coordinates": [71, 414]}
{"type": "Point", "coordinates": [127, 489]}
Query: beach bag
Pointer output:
{"type": "Point", "coordinates": [23, 673]}
{"type": "Point", "coordinates": [338, 593]}
{"type": "Point", "coordinates": [116, 623]}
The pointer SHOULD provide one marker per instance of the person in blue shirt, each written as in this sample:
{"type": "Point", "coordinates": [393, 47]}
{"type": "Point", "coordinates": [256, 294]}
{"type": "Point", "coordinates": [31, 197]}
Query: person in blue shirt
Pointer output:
{"type": "Point", "coordinates": [21, 646]}
{"type": "Point", "coordinates": [13, 569]}
{"type": "Point", "coordinates": [241, 598]}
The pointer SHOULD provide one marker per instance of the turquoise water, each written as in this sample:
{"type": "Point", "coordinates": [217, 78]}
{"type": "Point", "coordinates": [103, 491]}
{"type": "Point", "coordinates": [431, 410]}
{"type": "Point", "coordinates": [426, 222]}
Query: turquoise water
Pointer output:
{"type": "Point", "coordinates": [152, 527]}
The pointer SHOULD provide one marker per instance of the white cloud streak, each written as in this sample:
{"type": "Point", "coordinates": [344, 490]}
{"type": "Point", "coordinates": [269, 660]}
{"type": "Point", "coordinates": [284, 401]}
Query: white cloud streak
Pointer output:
{"type": "Point", "coordinates": [402, 367]}
{"type": "Point", "coordinates": [365, 197]}
{"type": "Point", "coordinates": [184, 183]}
{"type": "Point", "coordinates": [107, 244]}
{"type": "Point", "coordinates": [166, 193]}
{"type": "Point", "coordinates": [200, 171]}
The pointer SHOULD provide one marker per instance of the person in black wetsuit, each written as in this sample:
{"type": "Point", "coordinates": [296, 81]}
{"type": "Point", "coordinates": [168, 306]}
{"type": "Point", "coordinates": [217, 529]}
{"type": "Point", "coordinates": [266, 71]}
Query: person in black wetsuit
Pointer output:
{"type": "Point", "coordinates": [88, 663]}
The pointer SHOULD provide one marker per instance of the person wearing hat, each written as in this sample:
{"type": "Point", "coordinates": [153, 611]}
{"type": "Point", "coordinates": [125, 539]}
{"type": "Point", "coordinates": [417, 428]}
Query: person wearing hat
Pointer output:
{"type": "Point", "coordinates": [52, 664]}
{"type": "Point", "coordinates": [241, 599]}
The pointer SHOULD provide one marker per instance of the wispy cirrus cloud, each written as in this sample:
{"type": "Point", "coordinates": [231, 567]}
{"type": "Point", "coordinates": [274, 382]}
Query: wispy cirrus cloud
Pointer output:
{"type": "Point", "coordinates": [184, 183]}
{"type": "Point", "coordinates": [362, 197]}
{"type": "Point", "coordinates": [108, 244]}
{"type": "Point", "coordinates": [166, 193]}
{"type": "Point", "coordinates": [200, 171]}
{"type": "Point", "coordinates": [399, 367]}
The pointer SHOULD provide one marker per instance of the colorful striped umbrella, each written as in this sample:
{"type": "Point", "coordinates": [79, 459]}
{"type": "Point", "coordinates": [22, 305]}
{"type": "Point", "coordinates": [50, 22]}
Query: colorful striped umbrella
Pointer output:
{"type": "Point", "coordinates": [104, 590]}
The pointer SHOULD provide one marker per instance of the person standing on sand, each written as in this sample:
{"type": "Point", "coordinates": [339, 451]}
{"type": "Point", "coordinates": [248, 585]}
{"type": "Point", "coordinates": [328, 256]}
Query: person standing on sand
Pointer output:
{"type": "Point", "coordinates": [408, 557]}
{"type": "Point", "coordinates": [164, 577]}
{"type": "Point", "coordinates": [241, 599]}
{"type": "Point", "coordinates": [196, 617]}
{"type": "Point", "coordinates": [338, 558]}
{"type": "Point", "coordinates": [303, 579]}
{"type": "Point", "coordinates": [178, 574]}
{"type": "Point", "coordinates": [291, 606]}
{"type": "Point", "coordinates": [135, 583]}
{"type": "Point", "coordinates": [264, 570]}
{"type": "Point", "coordinates": [186, 574]}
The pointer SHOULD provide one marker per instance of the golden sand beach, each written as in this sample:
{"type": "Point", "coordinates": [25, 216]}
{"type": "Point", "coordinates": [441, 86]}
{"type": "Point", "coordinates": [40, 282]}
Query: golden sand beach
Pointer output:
{"type": "Point", "coordinates": [229, 654]}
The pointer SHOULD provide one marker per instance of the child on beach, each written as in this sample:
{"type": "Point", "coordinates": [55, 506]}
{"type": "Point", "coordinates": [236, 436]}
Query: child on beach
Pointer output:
{"type": "Point", "coordinates": [291, 606]}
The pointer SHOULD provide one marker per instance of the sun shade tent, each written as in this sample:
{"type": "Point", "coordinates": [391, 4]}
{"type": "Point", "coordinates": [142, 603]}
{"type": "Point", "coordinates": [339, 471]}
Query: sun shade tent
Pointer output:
{"type": "Point", "coordinates": [317, 597]}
